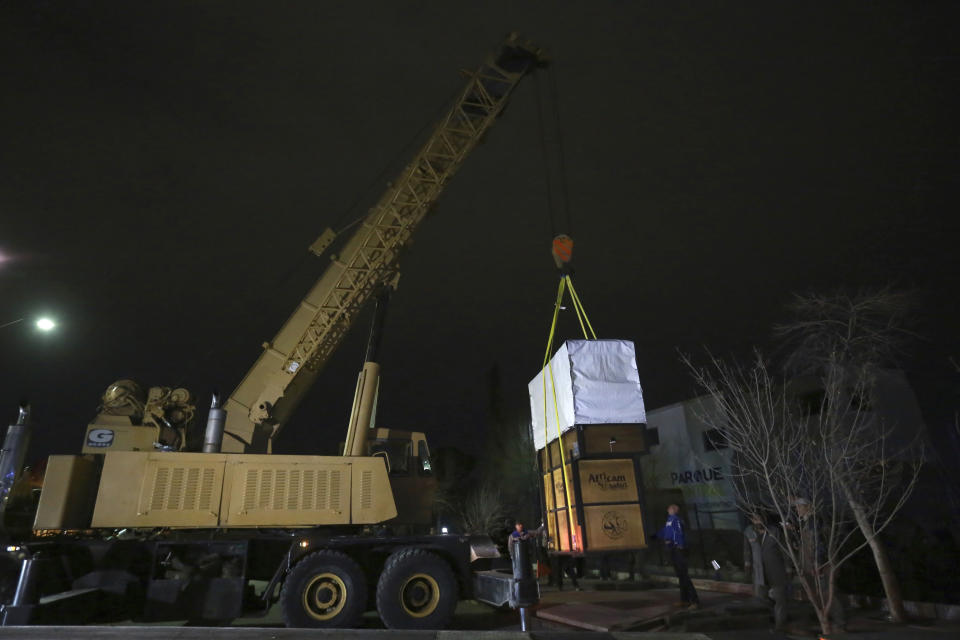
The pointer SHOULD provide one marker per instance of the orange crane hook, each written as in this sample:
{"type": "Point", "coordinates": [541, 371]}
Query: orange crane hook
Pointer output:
{"type": "Point", "coordinates": [562, 251]}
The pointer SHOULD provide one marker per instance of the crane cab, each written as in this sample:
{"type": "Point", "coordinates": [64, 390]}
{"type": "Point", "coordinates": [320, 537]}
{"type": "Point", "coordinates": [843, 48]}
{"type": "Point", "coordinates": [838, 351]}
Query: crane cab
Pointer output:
{"type": "Point", "coordinates": [410, 471]}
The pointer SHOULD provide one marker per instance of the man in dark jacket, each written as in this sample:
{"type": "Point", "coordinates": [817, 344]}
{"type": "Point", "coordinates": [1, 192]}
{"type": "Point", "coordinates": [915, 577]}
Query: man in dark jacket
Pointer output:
{"type": "Point", "coordinates": [520, 534]}
{"type": "Point", "coordinates": [753, 559]}
{"type": "Point", "coordinates": [774, 569]}
{"type": "Point", "coordinates": [675, 540]}
{"type": "Point", "coordinates": [813, 562]}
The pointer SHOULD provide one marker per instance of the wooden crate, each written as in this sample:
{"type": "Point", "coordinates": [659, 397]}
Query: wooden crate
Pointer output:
{"type": "Point", "coordinates": [604, 486]}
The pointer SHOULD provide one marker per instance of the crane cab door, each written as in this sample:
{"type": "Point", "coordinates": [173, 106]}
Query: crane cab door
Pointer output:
{"type": "Point", "coordinates": [411, 475]}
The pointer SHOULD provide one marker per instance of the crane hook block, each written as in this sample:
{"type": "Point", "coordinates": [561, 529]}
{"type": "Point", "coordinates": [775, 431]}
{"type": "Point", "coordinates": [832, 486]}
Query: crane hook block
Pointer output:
{"type": "Point", "coordinates": [562, 250]}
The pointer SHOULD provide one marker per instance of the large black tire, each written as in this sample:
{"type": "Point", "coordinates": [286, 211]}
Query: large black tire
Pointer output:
{"type": "Point", "coordinates": [416, 590]}
{"type": "Point", "coordinates": [327, 589]}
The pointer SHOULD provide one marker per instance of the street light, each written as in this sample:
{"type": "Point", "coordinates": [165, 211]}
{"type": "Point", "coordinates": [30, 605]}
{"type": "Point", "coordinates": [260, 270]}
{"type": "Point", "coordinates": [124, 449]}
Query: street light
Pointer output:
{"type": "Point", "coordinates": [44, 324]}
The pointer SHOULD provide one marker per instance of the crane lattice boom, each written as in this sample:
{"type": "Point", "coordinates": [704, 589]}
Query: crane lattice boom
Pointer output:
{"type": "Point", "coordinates": [270, 391]}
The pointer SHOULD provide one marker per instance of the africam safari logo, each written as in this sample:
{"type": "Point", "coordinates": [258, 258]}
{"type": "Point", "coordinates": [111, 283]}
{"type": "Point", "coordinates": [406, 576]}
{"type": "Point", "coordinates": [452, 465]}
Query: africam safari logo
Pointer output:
{"type": "Point", "coordinates": [608, 481]}
{"type": "Point", "coordinates": [100, 438]}
{"type": "Point", "coordinates": [614, 525]}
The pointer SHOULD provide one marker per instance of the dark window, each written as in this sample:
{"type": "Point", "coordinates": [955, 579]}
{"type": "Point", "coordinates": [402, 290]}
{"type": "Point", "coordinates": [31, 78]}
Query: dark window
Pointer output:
{"type": "Point", "coordinates": [398, 451]}
{"type": "Point", "coordinates": [651, 436]}
{"type": "Point", "coordinates": [713, 439]}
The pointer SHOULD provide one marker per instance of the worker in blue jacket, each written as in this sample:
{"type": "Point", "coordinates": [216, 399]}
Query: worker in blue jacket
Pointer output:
{"type": "Point", "coordinates": [674, 539]}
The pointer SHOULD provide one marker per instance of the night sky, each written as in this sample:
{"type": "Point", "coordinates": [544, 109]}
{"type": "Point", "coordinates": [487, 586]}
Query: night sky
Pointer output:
{"type": "Point", "coordinates": [164, 166]}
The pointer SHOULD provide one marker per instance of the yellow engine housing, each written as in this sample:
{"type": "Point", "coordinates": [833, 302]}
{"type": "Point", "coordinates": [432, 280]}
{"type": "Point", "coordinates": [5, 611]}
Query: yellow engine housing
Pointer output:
{"type": "Point", "coordinates": [200, 490]}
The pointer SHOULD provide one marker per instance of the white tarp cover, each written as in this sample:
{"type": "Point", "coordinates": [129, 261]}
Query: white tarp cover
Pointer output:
{"type": "Point", "coordinates": [596, 382]}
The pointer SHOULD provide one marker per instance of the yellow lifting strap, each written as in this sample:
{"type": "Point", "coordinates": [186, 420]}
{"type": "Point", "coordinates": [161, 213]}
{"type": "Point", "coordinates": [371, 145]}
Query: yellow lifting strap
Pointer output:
{"type": "Point", "coordinates": [565, 283]}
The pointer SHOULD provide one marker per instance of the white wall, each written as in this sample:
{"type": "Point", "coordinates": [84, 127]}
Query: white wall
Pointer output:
{"type": "Point", "coordinates": [682, 462]}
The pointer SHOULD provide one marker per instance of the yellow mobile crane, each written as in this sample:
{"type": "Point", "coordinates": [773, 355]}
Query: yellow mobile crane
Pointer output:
{"type": "Point", "coordinates": [142, 526]}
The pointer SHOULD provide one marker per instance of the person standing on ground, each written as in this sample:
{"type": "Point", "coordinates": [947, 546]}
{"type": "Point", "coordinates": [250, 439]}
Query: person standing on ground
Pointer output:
{"type": "Point", "coordinates": [811, 560]}
{"type": "Point", "coordinates": [674, 538]}
{"type": "Point", "coordinates": [754, 561]}
{"type": "Point", "coordinates": [563, 565]}
{"type": "Point", "coordinates": [774, 569]}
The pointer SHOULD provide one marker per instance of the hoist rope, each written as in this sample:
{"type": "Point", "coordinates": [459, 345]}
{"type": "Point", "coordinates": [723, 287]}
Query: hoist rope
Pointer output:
{"type": "Point", "coordinates": [547, 366]}
{"type": "Point", "coordinates": [543, 151]}
{"type": "Point", "coordinates": [555, 99]}
{"type": "Point", "coordinates": [546, 357]}
{"type": "Point", "coordinates": [579, 306]}
{"type": "Point", "coordinates": [565, 283]}
{"type": "Point", "coordinates": [580, 316]}
{"type": "Point", "coordinates": [548, 108]}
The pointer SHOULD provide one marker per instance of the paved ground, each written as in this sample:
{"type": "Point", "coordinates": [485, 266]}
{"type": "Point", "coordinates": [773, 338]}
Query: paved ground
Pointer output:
{"type": "Point", "coordinates": [470, 615]}
{"type": "Point", "coordinates": [619, 610]}
{"type": "Point", "coordinates": [858, 630]}
{"type": "Point", "coordinates": [602, 611]}
{"type": "Point", "coordinates": [228, 633]}
{"type": "Point", "coordinates": [722, 616]}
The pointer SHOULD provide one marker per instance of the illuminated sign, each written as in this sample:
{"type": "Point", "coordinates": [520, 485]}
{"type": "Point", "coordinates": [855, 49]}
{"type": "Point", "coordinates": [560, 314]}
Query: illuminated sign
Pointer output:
{"type": "Point", "coordinates": [710, 474]}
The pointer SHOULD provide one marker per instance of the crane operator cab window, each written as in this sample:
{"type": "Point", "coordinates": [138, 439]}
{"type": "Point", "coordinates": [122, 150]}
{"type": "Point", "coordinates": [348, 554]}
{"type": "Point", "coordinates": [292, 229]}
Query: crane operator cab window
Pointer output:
{"type": "Point", "coordinates": [423, 452]}
{"type": "Point", "coordinates": [397, 452]}
{"type": "Point", "coordinates": [402, 460]}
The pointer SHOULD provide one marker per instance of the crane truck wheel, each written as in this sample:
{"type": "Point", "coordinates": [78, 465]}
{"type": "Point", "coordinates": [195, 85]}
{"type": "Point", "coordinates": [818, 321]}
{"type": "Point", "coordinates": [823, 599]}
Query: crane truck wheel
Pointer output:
{"type": "Point", "coordinates": [325, 589]}
{"type": "Point", "coordinates": [416, 590]}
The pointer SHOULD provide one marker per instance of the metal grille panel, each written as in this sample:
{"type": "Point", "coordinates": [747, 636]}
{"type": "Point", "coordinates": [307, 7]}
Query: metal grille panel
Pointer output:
{"type": "Point", "coordinates": [181, 488]}
{"type": "Point", "coordinates": [271, 489]}
{"type": "Point", "coordinates": [366, 490]}
{"type": "Point", "coordinates": [335, 490]}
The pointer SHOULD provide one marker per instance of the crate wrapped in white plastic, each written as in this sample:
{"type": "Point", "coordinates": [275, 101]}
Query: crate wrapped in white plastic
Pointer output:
{"type": "Point", "coordinates": [596, 383]}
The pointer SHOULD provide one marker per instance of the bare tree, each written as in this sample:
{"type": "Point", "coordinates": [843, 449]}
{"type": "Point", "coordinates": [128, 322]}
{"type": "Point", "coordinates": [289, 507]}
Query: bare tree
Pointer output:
{"type": "Point", "coordinates": [845, 340]}
{"type": "Point", "coordinates": [833, 456]}
{"type": "Point", "coordinates": [509, 458]}
{"type": "Point", "coordinates": [863, 331]}
{"type": "Point", "coordinates": [482, 512]}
